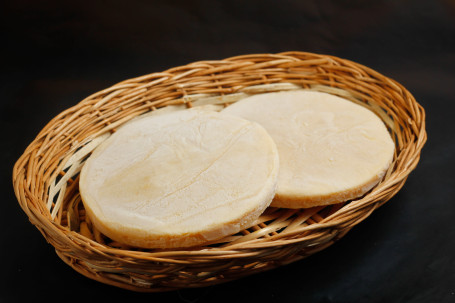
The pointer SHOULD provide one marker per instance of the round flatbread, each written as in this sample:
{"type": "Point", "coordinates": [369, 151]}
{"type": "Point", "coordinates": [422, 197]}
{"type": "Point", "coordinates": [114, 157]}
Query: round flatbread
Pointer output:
{"type": "Point", "coordinates": [180, 179]}
{"type": "Point", "coordinates": [331, 150]}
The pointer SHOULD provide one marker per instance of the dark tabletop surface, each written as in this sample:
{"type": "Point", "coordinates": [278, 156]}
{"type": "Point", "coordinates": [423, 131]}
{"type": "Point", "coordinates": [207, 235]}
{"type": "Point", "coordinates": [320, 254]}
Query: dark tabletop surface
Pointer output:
{"type": "Point", "coordinates": [53, 54]}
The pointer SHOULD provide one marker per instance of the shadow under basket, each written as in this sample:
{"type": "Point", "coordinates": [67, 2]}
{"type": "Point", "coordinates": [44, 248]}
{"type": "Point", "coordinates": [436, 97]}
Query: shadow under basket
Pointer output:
{"type": "Point", "coordinates": [46, 176]}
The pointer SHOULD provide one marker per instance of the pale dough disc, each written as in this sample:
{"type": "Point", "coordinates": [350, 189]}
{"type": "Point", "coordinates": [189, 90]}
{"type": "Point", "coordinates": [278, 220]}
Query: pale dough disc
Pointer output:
{"type": "Point", "coordinates": [331, 150]}
{"type": "Point", "coordinates": [180, 179]}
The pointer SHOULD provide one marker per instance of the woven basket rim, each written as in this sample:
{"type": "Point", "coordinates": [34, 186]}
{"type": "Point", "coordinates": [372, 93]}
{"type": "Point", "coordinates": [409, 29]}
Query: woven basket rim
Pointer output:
{"type": "Point", "coordinates": [279, 70]}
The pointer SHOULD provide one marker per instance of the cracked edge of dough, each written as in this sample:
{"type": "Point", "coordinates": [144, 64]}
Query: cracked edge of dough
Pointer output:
{"type": "Point", "coordinates": [145, 239]}
{"type": "Point", "coordinates": [292, 201]}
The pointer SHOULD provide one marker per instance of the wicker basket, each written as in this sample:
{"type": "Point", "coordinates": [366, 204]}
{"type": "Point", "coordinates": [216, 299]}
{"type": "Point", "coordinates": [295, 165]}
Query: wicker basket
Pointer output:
{"type": "Point", "coordinates": [46, 176]}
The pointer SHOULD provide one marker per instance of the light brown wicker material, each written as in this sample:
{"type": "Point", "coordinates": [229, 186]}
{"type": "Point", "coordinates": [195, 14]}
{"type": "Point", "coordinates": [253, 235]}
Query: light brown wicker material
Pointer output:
{"type": "Point", "coordinates": [45, 177]}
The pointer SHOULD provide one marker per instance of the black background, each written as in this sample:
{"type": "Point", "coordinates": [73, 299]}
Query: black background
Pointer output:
{"type": "Point", "coordinates": [53, 54]}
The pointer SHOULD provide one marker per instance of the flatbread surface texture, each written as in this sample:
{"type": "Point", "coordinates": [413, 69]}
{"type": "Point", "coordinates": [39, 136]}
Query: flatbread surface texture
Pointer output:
{"type": "Point", "coordinates": [331, 149]}
{"type": "Point", "coordinates": [180, 179]}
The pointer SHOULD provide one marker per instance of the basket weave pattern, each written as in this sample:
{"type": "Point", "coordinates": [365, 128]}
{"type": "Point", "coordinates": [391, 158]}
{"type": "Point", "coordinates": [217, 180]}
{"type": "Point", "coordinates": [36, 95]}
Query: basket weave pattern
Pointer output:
{"type": "Point", "coordinates": [46, 176]}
